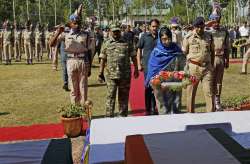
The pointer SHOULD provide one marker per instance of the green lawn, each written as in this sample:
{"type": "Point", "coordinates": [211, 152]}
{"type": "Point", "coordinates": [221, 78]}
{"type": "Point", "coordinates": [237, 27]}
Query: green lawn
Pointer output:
{"type": "Point", "coordinates": [30, 94]}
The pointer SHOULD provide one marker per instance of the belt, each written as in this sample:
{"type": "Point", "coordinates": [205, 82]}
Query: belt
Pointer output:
{"type": "Point", "coordinates": [76, 55]}
{"type": "Point", "coordinates": [197, 63]}
{"type": "Point", "coordinates": [219, 52]}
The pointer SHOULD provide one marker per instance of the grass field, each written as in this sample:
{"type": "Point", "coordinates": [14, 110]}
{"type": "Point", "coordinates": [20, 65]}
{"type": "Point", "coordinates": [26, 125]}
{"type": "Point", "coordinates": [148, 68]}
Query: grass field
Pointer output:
{"type": "Point", "coordinates": [31, 94]}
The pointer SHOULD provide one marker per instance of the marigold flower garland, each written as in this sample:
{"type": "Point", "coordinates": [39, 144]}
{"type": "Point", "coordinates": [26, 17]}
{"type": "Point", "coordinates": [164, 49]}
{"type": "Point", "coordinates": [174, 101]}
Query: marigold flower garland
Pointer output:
{"type": "Point", "coordinates": [239, 42]}
{"type": "Point", "coordinates": [165, 76]}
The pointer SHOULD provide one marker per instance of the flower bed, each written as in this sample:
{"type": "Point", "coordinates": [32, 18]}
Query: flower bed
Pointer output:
{"type": "Point", "coordinates": [172, 80]}
{"type": "Point", "coordinates": [237, 103]}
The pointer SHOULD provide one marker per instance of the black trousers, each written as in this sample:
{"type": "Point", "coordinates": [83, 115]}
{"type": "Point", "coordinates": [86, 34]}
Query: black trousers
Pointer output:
{"type": "Point", "coordinates": [234, 52]}
{"type": "Point", "coordinates": [150, 101]}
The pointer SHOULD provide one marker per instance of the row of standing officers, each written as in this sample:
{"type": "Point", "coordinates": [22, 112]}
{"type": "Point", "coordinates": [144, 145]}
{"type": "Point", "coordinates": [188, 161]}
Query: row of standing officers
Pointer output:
{"type": "Point", "coordinates": [14, 40]}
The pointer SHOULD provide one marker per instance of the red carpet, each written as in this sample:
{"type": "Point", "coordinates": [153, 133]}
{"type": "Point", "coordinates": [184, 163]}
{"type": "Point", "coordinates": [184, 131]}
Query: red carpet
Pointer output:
{"type": "Point", "coordinates": [136, 95]}
{"type": "Point", "coordinates": [33, 132]}
{"type": "Point", "coordinates": [236, 61]}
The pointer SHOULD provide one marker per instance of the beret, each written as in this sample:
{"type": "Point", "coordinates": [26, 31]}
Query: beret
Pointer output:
{"type": "Point", "coordinates": [73, 17]}
{"type": "Point", "coordinates": [214, 16]}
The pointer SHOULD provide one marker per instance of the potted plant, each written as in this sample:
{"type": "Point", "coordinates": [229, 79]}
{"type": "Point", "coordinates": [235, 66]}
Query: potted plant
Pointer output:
{"type": "Point", "coordinates": [72, 117]}
{"type": "Point", "coordinates": [236, 103]}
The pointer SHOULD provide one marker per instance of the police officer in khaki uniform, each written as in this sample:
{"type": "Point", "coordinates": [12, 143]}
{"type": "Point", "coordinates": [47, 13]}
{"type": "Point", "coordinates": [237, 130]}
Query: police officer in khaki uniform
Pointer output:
{"type": "Point", "coordinates": [38, 42]}
{"type": "Point", "coordinates": [7, 38]}
{"type": "Point", "coordinates": [176, 33]}
{"type": "Point", "coordinates": [28, 42]}
{"type": "Point", "coordinates": [48, 36]}
{"type": "Point", "coordinates": [245, 59]}
{"type": "Point", "coordinates": [54, 54]}
{"type": "Point", "coordinates": [221, 60]}
{"type": "Point", "coordinates": [199, 48]}
{"type": "Point", "coordinates": [76, 46]}
{"type": "Point", "coordinates": [116, 54]}
{"type": "Point", "coordinates": [17, 42]}
{"type": "Point", "coordinates": [1, 46]}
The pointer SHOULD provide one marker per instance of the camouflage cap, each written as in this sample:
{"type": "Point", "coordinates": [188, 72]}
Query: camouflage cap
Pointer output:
{"type": "Point", "coordinates": [115, 27]}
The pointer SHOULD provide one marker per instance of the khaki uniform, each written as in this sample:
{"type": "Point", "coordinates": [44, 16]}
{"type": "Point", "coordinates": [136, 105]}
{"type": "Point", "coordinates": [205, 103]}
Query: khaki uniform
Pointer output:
{"type": "Point", "coordinates": [1, 46]}
{"type": "Point", "coordinates": [221, 50]}
{"type": "Point", "coordinates": [17, 44]}
{"type": "Point", "coordinates": [117, 54]}
{"type": "Point", "coordinates": [245, 60]}
{"type": "Point", "coordinates": [54, 55]}
{"type": "Point", "coordinates": [177, 37]}
{"type": "Point", "coordinates": [200, 54]}
{"type": "Point", "coordinates": [38, 45]}
{"type": "Point", "coordinates": [28, 45]}
{"type": "Point", "coordinates": [7, 46]}
{"type": "Point", "coordinates": [48, 36]}
{"type": "Point", "coordinates": [76, 47]}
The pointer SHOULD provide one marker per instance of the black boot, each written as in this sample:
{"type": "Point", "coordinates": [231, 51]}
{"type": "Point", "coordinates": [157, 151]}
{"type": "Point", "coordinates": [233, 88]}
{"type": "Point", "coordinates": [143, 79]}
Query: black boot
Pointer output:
{"type": "Point", "coordinates": [66, 88]}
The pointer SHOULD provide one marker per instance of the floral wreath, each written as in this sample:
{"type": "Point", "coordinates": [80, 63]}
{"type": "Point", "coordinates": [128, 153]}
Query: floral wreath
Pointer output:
{"type": "Point", "coordinates": [167, 76]}
{"type": "Point", "coordinates": [239, 42]}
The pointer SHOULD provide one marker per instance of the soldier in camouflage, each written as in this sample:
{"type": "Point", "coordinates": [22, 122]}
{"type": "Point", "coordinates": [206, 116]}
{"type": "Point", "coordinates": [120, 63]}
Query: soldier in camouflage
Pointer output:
{"type": "Point", "coordinates": [116, 54]}
{"type": "Point", "coordinates": [221, 59]}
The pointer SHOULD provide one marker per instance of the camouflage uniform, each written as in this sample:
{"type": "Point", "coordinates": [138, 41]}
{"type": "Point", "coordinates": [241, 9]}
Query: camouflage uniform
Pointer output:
{"type": "Point", "coordinates": [7, 46]}
{"type": "Point", "coordinates": [200, 54]}
{"type": "Point", "coordinates": [221, 48]}
{"type": "Point", "coordinates": [38, 43]}
{"type": "Point", "coordinates": [17, 44]}
{"type": "Point", "coordinates": [117, 53]}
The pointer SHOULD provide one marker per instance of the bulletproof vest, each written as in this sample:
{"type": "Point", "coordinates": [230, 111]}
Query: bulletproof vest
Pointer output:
{"type": "Point", "coordinates": [76, 43]}
{"type": "Point", "coordinates": [200, 48]}
{"type": "Point", "coordinates": [7, 37]}
{"type": "Point", "coordinates": [27, 36]}
{"type": "Point", "coordinates": [219, 38]}
{"type": "Point", "coordinates": [118, 60]}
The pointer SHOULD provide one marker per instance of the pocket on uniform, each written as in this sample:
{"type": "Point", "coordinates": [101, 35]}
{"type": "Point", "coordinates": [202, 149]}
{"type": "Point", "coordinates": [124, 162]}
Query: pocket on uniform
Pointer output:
{"type": "Point", "coordinates": [194, 48]}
